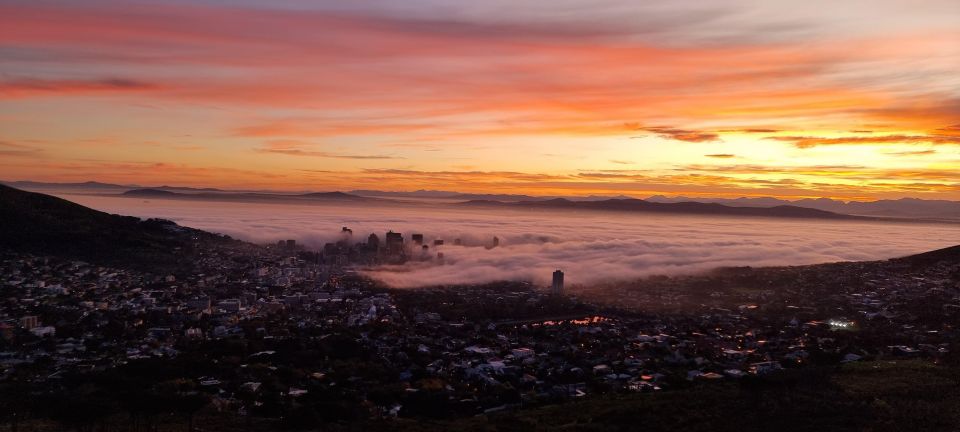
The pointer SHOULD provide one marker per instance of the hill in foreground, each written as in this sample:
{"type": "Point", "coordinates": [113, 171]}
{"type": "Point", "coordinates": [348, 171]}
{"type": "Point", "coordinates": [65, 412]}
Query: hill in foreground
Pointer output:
{"type": "Point", "coordinates": [45, 225]}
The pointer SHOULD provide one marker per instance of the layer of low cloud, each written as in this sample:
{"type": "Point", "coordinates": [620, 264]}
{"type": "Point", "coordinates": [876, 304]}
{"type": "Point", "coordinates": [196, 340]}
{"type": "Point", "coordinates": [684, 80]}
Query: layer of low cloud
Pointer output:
{"type": "Point", "coordinates": [591, 247]}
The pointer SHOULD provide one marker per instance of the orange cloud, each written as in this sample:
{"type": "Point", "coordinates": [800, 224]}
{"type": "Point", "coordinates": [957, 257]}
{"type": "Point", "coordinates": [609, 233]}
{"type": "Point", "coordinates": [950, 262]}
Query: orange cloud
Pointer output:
{"type": "Point", "coordinates": [9, 149]}
{"type": "Point", "coordinates": [808, 142]}
{"type": "Point", "coordinates": [359, 82]}
{"type": "Point", "coordinates": [913, 153]}
{"type": "Point", "coordinates": [407, 67]}
{"type": "Point", "coordinates": [681, 134]}
{"type": "Point", "coordinates": [317, 128]}
{"type": "Point", "coordinates": [297, 148]}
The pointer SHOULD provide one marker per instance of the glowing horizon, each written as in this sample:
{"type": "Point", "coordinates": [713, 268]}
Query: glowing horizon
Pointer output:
{"type": "Point", "coordinates": [854, 100]}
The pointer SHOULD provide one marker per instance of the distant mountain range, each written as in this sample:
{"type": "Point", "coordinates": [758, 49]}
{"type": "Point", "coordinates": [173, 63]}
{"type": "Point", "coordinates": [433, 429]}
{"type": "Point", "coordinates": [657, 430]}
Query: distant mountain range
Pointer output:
{"type": "Point", "coordinates": [46, 225]}
{"type": "Point", "coordinates": [627, 205]}
{"type": "Point", "coordinates": [903, 208]}
{"type": "Point", "coordinates": [911, 208]}
{"type": "Point", "coordinates": [84, 185]}
{"type": "Point", "coordinates": [451, 195]}
{"type": "Point", "coordinates": [900, 208]}
{"type": "Point", "coordinates": [92, 186]}
{"type": "Point", "coordinates": [247, 196]}
{"type": "Point", "coordinates": [637, 205]}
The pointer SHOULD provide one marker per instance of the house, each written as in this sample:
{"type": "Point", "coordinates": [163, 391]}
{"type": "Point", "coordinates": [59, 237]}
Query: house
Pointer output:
{"type": "Point", "coordinates": [764, 368]}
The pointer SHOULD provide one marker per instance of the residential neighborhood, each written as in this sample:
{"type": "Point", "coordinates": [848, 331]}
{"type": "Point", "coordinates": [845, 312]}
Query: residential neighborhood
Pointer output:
{"type": "Point", "coordinates": [264, 331]}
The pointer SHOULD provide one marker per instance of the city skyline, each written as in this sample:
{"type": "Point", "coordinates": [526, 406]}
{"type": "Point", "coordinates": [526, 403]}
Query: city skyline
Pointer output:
{"type": "Point", "coordinates": [850, 100]}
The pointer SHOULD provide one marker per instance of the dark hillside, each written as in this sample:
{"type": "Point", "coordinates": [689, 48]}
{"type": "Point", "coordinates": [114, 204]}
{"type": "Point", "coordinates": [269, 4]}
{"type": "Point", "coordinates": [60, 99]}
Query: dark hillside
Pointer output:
{"type": "Point", "coordinates": [45, 225]}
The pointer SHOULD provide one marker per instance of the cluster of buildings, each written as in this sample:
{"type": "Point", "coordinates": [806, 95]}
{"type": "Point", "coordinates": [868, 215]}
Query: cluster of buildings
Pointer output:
{"type": "Point", "coordinates": [392, 248]}
{"type": "Point", "coordinates": [303, 328]}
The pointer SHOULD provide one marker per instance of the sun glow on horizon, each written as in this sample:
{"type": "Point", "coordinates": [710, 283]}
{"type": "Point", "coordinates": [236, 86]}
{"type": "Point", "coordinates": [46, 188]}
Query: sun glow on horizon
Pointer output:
{"type": "Point", "coordinates": [849, 100]}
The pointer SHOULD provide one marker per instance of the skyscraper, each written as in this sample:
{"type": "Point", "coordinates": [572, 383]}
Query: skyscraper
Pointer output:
{"type": "Point", "coordinates": [557, 288]}
{"type": "Point", "coordinates": [394, 244]}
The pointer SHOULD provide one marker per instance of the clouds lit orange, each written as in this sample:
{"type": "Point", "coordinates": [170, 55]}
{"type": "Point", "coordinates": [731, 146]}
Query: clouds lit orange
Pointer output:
{"type": "Point", "coordinates": [733, 98]}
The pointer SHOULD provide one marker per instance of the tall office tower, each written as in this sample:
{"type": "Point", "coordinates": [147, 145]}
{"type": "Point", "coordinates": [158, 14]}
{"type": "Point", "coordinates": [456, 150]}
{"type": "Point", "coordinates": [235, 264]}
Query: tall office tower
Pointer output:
{"type": "Point", "coordinates": [29, 322]}
{"type": "Point", "coordinates": [373, 242]}
{"type": "Point", "coordinates": [417, 239]}
{"type": "Point", "coordinates": [394, 244]}
{"type": "Point", "coordinates": [496, 241]}
{"type": "Point", "coordinates": [438, 242]}
{"type": "Point", "coordinates": [557, 288]}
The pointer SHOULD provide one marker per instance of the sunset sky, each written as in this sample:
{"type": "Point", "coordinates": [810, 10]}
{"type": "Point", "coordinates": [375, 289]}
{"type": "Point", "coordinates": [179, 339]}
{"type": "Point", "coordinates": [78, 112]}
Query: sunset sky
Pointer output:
{"type": "Point", "coordinates": [840, 98]}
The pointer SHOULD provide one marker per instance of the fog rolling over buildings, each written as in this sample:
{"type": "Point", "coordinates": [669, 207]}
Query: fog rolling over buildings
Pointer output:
{"type": "Point", "coordinates": [588, 247]}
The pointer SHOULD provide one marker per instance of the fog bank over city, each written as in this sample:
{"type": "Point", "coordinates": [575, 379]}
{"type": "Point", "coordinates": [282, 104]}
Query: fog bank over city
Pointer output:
{"type": "Point", "coordinates": [589, 247]}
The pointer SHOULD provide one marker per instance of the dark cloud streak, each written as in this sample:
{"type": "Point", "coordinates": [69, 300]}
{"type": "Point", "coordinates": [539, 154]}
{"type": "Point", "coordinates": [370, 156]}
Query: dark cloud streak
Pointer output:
{"type": "Point", "coordinates": [688, 135]}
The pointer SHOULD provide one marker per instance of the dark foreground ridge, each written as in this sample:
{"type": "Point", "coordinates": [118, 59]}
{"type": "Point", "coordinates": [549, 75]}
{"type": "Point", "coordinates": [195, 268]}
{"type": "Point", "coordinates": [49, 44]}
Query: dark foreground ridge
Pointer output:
{"type": "Point", "coordinates": [949, 254]}
{"type": "Point", "coordinates": [45, 225]}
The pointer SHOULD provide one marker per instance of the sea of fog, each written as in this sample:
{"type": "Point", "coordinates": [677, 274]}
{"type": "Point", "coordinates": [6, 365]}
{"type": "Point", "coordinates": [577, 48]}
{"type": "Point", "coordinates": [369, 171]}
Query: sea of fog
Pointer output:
{"type": "Point", "coordinates": [588, 246]}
